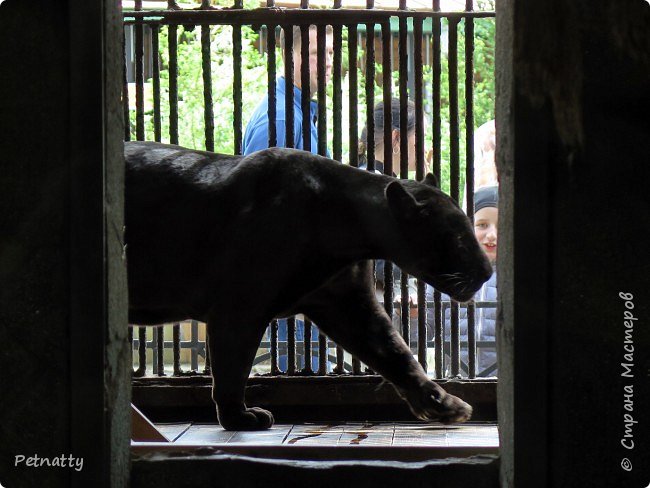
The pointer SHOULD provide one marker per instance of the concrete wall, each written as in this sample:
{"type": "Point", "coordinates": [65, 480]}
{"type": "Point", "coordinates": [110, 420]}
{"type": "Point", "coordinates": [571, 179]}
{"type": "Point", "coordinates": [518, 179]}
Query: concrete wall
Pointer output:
{"type": "Point", "coordinates": [64, 360]}
{"type": "Point", "coordinates": [574, 146]}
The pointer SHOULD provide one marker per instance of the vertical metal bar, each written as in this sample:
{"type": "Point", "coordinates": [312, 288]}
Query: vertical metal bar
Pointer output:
{"type": "Point", "coordinates": [322, 353]}
{"type": "Point", "coordinates": [356, 366]}
{"type": "Point", "coordinates": [305, 94]}
{"type": "Point", "coordinates": [419, 99]}
{"type": "Point", "coordinates": [270, 49]}
{"type": "Point", "coordinates": [469, 170]}
{"type": "Point", "coordinates": [130, 335]}
{"type": "Point", "coordinates": [139, 77]}
{"type": "Point", "coordinates": [337, 93]}
{"type": "Point", "coordinates": [274, 347]}
{"type": "Point", "coordinates": [370, 93]}
{"type": "Point", "coordinates": [354, 134]}
{"type": "Point", "coordinates": [354, 128]}
{"type": "Point", "coordinates": [340, 360]}
{"type": "Point", "coordinates": [307, 347]}
{"type": "Point", "coordinates": [155, 61]}
{"type": "Point", "coordinates": [154, 351]}
{"type": "Point", "coordinates": [387, 82]}
{"type": "Point", "coordinates": [206, 367]}
{"type": "Point", "coordinates": [321, 37]}
{"type": "Point", "coordinates": [142, 352]}
{"type": "Point", "coordinates": [160, 346]}
{"type": "Point", "coordinates": [454, 129]}
{"type": "Point", "coordinates": [419, 175]}
{"type": "Point", "coordinates": [288, 76]}
{"type": "Point", "coordinates": [237, 84]}
{"type": "Point", "coordinates": [176, 345]}
{"type": "Point", "coordinates": [173, 84]}
{"type": "Point", "coordinates": [125, 92]}
{"type": "Point", "coordinates": [454, 171]}
{"type": "Point", "coordinates": [403, 95]}
{"type": "Point", "coordinates": [387, 157]}
{"type": "Point", "coordinates": [195, 343]}
{"type": "Point", "coordinates": [291, 345]}
{"type": "Point", "coordinates": [208, 113]}
{"type": "Point", "coordinates": [438, 334]}
{"type": "Point", "coordinates": [403, 98]}
{"type": "Point", "coordinates": [436, 168]}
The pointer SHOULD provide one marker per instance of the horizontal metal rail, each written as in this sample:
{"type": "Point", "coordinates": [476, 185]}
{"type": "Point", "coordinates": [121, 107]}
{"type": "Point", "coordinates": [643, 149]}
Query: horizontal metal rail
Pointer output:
{"type": "Point", "coordinates": [264, 15]}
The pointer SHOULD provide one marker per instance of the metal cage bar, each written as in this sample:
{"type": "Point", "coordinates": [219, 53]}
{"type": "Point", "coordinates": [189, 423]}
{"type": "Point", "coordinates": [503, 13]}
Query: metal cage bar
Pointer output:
{"type": "Point", "coordinates": [305, 89]}
{"type": "Point", "coordinates": [353, 100]}
{"type": "Point", "coordinates": [125, 95]}
{"type": "Point", "coordinates": [469, 169]}
{"type": "Point", "coordinates": [288, 76]}
{"type": "Point", "coordinates": [340, 19]}
{"type": "Point", "coordinates": [337, 94]}
{"type": "Point", "coordinates": [405, 308]}
{"type": "Point", "coordinates": [173, 84]}
{"type": "Point", "coordinates": [291, 346]}
{"type": "Point", "coordinates": [270, 50]}
{"type": "Point", "coordinates": [322, 54]}
{"type": "Point", "coordinates": [206, 68]}
{"type": "Point", "coordinates": [454, 172]}
{"type": "Point", "coordinates": [237, 86]}
{"type": "Point", "coordinates": [139, 77]}
{"type": "Point", "coordinates": [155, 47]}
{"type": "Point", "coordinates": [274, 347]}
{"type": "Point", "coordinates": [370, 95]}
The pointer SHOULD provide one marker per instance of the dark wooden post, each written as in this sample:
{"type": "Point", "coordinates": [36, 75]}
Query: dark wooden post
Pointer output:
{"type": "Point", "coordinates": [573, 145]}
{"type": "Point", "coordinates": [65, 362]}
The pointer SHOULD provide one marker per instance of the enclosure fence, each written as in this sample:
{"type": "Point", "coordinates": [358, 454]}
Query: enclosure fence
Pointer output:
{"type": "Point", "coordinates": [193, 74]}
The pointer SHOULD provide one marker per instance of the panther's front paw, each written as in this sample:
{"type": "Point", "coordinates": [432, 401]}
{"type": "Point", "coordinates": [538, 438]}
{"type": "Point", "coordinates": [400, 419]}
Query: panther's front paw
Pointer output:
{"type": "Point", "coordinates": [432, 403]}
{"type": "Point", "coordinates": [247, 419]}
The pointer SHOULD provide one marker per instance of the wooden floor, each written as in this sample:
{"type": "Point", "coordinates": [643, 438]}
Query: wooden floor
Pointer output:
{"type": "Point", "coordinates": [398, 441]}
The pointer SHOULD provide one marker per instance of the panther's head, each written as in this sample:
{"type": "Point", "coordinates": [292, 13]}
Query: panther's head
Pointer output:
{"type": "Point", "coordinates": [438, 244]}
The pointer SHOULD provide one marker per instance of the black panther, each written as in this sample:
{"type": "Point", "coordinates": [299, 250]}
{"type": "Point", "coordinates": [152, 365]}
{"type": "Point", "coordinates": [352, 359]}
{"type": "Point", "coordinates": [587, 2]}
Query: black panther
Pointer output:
{"type": "Point", "coordinates": [235, 241]}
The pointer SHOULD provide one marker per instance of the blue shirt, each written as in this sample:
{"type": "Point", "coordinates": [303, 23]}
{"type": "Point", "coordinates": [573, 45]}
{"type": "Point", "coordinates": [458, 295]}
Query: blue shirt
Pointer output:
{"type": "Point", "coordinates": [256, 136]}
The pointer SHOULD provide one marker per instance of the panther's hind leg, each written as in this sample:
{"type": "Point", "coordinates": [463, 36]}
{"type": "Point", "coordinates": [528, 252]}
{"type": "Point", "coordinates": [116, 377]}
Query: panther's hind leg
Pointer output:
{"type": "Point", "coordinates": [348, 312]}
{"type": "Point", "coordinates": [232, 345]}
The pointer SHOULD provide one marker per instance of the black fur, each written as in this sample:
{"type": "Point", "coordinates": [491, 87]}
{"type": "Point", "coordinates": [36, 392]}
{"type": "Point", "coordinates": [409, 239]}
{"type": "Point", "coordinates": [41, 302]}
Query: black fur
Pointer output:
{"type": "Point", "coordinates": [236, 241]}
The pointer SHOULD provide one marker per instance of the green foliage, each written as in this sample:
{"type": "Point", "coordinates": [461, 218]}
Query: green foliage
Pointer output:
{"type": "Point", "coordinates": [191, 125]}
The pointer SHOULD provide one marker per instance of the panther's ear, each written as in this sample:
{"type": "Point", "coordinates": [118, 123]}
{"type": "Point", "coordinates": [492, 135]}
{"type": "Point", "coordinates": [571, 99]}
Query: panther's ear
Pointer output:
{"type": "Point", "coordinates": [400, 202]}
{"type": "Point", "coordinates": [431, 180]}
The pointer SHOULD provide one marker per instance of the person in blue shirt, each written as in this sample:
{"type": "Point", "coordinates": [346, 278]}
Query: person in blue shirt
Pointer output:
{"type": "Point", "coordinates": [256, 136]}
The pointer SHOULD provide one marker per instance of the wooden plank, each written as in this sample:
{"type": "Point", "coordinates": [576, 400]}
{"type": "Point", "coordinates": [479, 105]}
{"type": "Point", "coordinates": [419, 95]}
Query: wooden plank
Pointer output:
{"type": "Point", "coordinates": [314, 434]}
{"type": "Point", "coordinates": [473, 435]}
{"type": "Point", "coordinates": [432, 438]}
{"type": "Point", "coordinates": [273, 436]}
{"type": "Point", "coordinates": [368, 434]}
{"type": "Point", "coordinates": [420, 434]}
{"type": "Point", "coordinates": [311, 428]}
{"type": "Point", "coordinates": [204, 434]}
